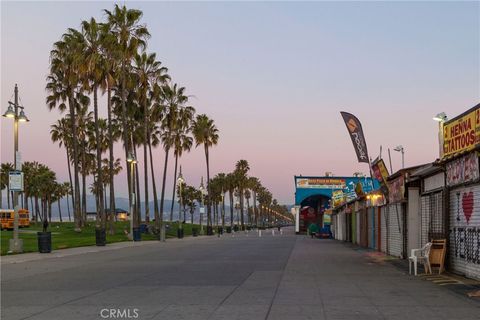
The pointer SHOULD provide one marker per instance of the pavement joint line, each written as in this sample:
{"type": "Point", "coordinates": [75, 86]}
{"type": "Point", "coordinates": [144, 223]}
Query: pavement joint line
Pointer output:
{"type": "Point", "coordinates": [280, 281]}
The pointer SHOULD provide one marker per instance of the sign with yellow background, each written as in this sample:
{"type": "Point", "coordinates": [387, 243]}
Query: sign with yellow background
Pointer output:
{"type": "Point", "coordinates": [462, 134]}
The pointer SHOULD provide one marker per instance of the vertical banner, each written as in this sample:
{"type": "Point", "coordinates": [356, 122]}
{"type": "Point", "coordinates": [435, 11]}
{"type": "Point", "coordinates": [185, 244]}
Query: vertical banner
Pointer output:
{"type": "Point", "coordinates": [355, 130]}
{"type": "Point", "coordinates": [380, 173]}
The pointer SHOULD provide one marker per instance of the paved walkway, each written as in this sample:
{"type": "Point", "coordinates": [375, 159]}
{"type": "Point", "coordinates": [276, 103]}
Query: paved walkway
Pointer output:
{"type": "Point", "coordinates": [234, 277]}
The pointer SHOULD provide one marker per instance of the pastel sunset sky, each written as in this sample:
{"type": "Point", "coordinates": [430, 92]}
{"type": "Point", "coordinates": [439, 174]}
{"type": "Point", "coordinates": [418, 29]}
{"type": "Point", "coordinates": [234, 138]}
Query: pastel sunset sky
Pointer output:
{"type": "Point", "coordinates": [274, 76]}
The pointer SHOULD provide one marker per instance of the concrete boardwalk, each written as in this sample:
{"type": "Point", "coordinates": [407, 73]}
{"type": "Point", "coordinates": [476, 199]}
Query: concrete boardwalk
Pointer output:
{"type": "Point", "coordinates": [240, 277]}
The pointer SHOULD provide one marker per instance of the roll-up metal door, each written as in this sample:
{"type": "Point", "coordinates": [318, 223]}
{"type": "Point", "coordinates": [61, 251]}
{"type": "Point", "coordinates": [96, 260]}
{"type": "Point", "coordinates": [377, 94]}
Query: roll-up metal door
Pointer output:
{"type": "Point", "coordinates": [395, 230]}
{"type": "Point", "coordinates": [464, 246]}
{"type": "Point", "coordinates": [433, 217]}
{"type": "Point", "coordinates": [354, 228]}
{"type": "Point", "coordinates": [384, 231]}
{"type": "Point", "coordinates": [371, 227]}
{"type": "Point", "coordinates": [363, 227]}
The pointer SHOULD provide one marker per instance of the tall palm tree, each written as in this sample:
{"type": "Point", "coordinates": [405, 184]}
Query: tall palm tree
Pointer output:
{"type": "Point", "coordinates": [205, 133]}
{"type": "Point", "coordinates": [62, 86]}
{"type": "Point", "coordinates": [124, 25]}
{"type": "Point", "coordinates": [91, 58]}
{"type": "Point", "coordinates": [148, 73]}
{"type": "Point", "coordinates": [241, 171]}
{"type": "Point", "coordinates": [181, 140]}
{"type": "Point", "coordinates": [172, 98]}
{"type": "Point", "coordinates": [61, 132]}
{"type": "Point", "coordinates": [231, 183]}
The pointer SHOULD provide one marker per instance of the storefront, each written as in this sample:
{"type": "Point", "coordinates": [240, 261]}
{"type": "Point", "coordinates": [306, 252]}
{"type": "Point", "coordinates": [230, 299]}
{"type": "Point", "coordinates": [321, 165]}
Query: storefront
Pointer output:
{"type": "Point", "coordinates": [460, 157]}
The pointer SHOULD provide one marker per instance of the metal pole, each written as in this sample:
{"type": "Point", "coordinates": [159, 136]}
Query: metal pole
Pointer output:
{"type": "Point", "coordinates": [403, 158]}
{"type": "Point", "coordinates": [16, 245]}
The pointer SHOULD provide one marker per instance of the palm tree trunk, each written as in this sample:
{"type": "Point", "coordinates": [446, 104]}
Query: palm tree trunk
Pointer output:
{"type": "Point", "coordinates": [71, 182]}
{"type": "Point", "coordinates": [137, 185]}
{"type": "Point", "coordinates": [174, 186]}
{"type": "Point", "coordinates": [249, 216]}
{"type": "Point", "coordinates": [100, 208]}
{"type": "Point", "coordinates": [126, 134]}
{"type": "Point", "coordinates": [191, 216]}
{"type": "Point", "coordinates": [241, 209]}
{"type": "Point", "coordinates": [84, 185]}
{"type": "Point", "coordinates": [255, 215]}
{"type": "Point", "coordinates": [230, 194]}
{"type": "Point", "coordinates": [59, 210]}
{"type": "Point", "coordinates": [110, 162]}
{"type": "Point", "coordinates": [223, 211]}
{"type": "Point", "coordinates": [162, 197]}
{"type": "Point", "coordinates": [209, 214]}
{"type": "Point", "coordinates": [76, 187]}
{"type": "Point", "coordinates": [145, 161]}
{"type": "Point", "coordinates": [37, 209]}
{"type": "Point", "coordinates": [154, 187]}
{"type": "Point", "coordinates": [1, 198]}
{"type": "Point", "coordinates": [68, 208]}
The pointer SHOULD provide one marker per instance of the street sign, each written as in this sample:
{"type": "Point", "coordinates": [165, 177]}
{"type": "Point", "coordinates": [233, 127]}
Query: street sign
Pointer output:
{"type": "Point", "coordinates": [202, 209]}
{"type": "Point", "coordinates": [15, 180]}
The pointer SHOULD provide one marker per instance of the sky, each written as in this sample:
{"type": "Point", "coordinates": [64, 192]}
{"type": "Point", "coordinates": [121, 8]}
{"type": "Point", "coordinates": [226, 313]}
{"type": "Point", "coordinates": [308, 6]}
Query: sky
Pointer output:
{"type": "Point", "coordinates": [274, 76]}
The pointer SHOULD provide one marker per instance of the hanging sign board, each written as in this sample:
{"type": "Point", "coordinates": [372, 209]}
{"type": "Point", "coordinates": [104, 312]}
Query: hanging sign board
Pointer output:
{"type": "Point", "coordinates": [462, 133]}
{"type": "Point", "coordinates": [15, 180]}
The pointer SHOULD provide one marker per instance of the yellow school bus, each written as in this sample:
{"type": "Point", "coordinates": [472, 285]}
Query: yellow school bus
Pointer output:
{"type": "Point", "coordinates": [6, 218]}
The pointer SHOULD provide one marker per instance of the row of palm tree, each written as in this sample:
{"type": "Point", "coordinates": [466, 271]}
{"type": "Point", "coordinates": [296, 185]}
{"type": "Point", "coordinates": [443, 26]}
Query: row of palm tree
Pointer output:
{"type": "Point", "coordinates": [145, 108]}
{"type": "Point", "coordinates": [41, 190]}
{"type": "Point", "coordinates": [253, 203]}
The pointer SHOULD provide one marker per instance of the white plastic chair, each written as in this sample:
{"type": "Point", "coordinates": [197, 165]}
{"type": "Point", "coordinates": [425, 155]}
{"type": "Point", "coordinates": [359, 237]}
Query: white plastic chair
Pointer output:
{"type": "Point", "coordinates": [420, 255]}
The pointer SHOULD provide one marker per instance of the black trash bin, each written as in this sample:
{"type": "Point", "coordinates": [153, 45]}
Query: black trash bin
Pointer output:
{"type": "Point", "coordinates": [44, 242]}
{"type": "Point", "coordinates": [235, 228]}
{"type": "Point", "coordinates": [180, 233]}
{"type": "Point", "coordinates": [195, 232]}
{"type": "Point", "coordinates": [209, 231]}
{"type": "Point", "coordinates": [100, 237]}
{"type": "Point", "coordinates": [220, 230]}
{"type": "Point", "coordinates": [229, 229]}
{"type": "Point", "coordinates": [137, 235]}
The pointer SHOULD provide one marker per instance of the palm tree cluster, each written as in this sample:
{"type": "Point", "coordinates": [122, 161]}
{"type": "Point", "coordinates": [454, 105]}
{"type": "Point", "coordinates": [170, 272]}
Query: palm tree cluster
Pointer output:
{"type": "Point", "coordinates": [41, 190]}
{"type": "Point", "coordinates": [145, 108]}
{"type": "Point", "coordinates": [252, 202]}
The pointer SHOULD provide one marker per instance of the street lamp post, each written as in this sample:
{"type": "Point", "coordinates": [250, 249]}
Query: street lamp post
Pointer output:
{"type": "Point", "coordinates": [180, 182]}
{"type": "Point", "coordinates": [132, 160]}
{"type": "Point", "coordinates": [401, 149]}
{"type": "Point", "coordinates": [16, 244]}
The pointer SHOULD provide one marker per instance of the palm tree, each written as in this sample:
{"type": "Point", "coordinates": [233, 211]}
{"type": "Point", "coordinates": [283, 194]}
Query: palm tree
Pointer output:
{"type": "Point", "coordinates": [61, 132]}
{"type": "Point", "coordinates": [62, 85]}
{"type": "Point", "coordinates": [130, 36]}
{"type": "Point", "coordinates": [172, 99]}
{"type": "Point", "coordinates": [66, 190]}
{"type": "Point", "coordinates": [181, 140]}
{"type": "Point", "coordinates": [92, 62]}
{"type": "Point", "coordinates": [230, 183]}
{"type": "Point", "coordinates": [254, 185]}
{"type": "Point", "coordinates": [148, 72]}
{"type": "Point", "coordinates": [205, 132]}
{"type": "Point", "coordinates": [5, 170]}
{"type": "Point", "coordinates": [241, 170]}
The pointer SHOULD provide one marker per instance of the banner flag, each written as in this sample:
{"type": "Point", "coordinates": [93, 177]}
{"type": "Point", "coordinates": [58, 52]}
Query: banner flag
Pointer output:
{"type": "Point", "coordinates": [355, 130]}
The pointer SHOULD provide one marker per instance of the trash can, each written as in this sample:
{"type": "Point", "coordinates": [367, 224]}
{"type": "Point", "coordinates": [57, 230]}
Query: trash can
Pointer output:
{"type": "Point", "coordinates": [209, 231]}
{"type": "Point", "coordinates": [220, 230]}
{"type": "Point", "coordinates": [229, 229]}
{"type": "Point", "coordinates": [235, 228]}
{"type": "Point", "coordinates": [180, 233]}
{"type": "Point", "coordinates": [195, 232]}
{"type": "Point", "coordinates": [143, 228]}
{"type": "Point", "coordinates": [137, 236]}
{"type": "Point", "coordinates": [44, 242]}
{"type": "Point", "coordinates": [100, 237]}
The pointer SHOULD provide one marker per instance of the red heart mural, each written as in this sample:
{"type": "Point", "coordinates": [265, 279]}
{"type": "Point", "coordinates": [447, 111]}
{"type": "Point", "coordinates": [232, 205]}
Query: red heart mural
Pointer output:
{"type": "Point", "coordinates": [467, 205]}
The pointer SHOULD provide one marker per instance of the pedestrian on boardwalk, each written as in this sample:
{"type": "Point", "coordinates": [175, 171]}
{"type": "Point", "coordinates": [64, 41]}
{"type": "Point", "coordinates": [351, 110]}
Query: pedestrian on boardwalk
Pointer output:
{"type": "Point", "coordinates": [312, 229]}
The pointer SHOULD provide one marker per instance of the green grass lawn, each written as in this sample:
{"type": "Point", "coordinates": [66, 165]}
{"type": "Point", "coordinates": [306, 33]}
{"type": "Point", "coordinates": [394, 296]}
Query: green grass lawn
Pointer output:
{"type": "Point", "coordinates": [64, 236]}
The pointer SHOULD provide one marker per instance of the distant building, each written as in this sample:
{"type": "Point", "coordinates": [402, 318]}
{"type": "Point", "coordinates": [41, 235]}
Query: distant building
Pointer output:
{"type": "Point", "coordinates": [120, 214]}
